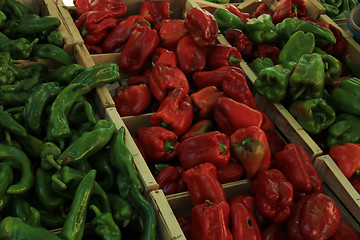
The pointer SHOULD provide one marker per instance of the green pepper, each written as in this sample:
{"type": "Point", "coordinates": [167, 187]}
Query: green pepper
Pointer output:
{"type": "Point", "coordinates": [51, 220]}
{"type": "Point", "coordinates": [21, 85]}
{"type": "Point", "coordinates": [15, 9]}
{"type": "Point", "coordinates": [345, 129]}
{"type": "Point", "coordinates": [314, 115]}
{"type": "Point", "coordinates": [6, 177]}
{"type": "Point", "coordinates": [18, 48]}
{"type": "Point", "coordinates": [219, 1]}
{"type": "Point", "coordinates": [15, 228]}
{"type": "Point", "coordinates": [4, 200]}
{"type": "Point", "coordinates": [272, 82]}
{"type": "Point", "coordinates": [56, 38]}
{"type": "Point", "coordinates": [227, 20]}
{"type": "Point", "coordinates": [2, 4]}
{"type": "Point", "coordinates": [81, 112]}
{"type": "Point", "coordinates": [323, 35]}
{"type": "Point", "coordinates": [353, 3]}
{"type": "Point", "coordinates": [286, 29]}
{"type": "Point", "coordinates": [333, 66]}
{"type": "Point", "coordinates": [331, 10]}
{"type": "Point", "coordinates": [353, 67]}
{"type": "Point", "coordinates": [101, 163]}
{"type": "Point", "coordinates": [308, 78]}
{"type": "Point", "coordinates": [9, 124]}
{"type": "Point", "coordinates": [347, 96]}
{"type": "Point", "coordinates": [344, 11]}
{"type": "Point", "coordinates": [53, 52]}
{"type": "Point", "coordinates": [19, 207]}
{"type": "Point", "coordinates": [121, 209]}
{"type": "Point", "coordinates": [261, 30]}
{"type": "Point", "coordinates": [298, 44]}
{"type": "Point", "coordinates": [6, 75]}
{"type": "Point", "coordinates": [259, 64]}
{"type": "Point", "coordinates": [11, 99]}
{"type": "Point", "coordinates": [65, 74]}
{"type": "Point", "coordinates": [2, 19]}
{"type": "Point", "coordinates": [105, 226]}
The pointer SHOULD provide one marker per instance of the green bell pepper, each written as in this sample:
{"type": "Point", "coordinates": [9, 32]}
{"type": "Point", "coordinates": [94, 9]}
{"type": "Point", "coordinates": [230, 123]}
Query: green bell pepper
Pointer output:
{"type": "Point", "coordinates": [259, 64]}
{"type": "Point", "coordinates": [15, 9]}
{"type": "Point", "coordinates": [345, 129]}
{"type": "Point", "coordinates": [227, 20]}
{"type": "Point", "coordinates": [347, 96]}
{"type": "Point", "coordinates": [323, 35]}
{"type": "Point", "coordinates": [286, 28]}
{"type": "Point", "coordinates": [333, 66]}
{"type": "Point", "coordinates": [56, 38]}
{"type": "Point", "coordinates": [261, 30]}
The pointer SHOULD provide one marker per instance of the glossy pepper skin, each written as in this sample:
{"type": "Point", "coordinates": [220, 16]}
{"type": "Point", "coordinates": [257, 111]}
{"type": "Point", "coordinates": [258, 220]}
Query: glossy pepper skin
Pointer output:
{"type": "Point", "coordinates": [205, 100]}
{"type": "Point", "coordinates": [65, 74]}
{"type": "Point", "coordinates": [273, 195]}
{"type": "Point", "coordinates": [227, 114]}
{"type": "Point", "coordinates": [345, 231]}
{"type": "Point", "coordinates": [164, 79]}
{"type": "Point", "coordinates": [203, 126]}
{"type": "Point", "coordinates": [345, 156]}
{"type": "Point", "coordinates": [315, 216]}
{"type": "Point", "coordinates": [170, 32]}
{"type": "Point", "coordinates": [164, 56]}
{"type": "Point", "coordinates": [338, 48]}
{"type": "Point", "coordinates": [170, 180]}
{"type": "Point", "coordinates": [175, 112]}
{"type": "Point", "coordinates": [155, 11]}
{"type": "Point", "coordinates": [8, 123]}
{"type": "Point", "coordinates": [227, 20]}
{"type": "Point", "coordinates": [210, 221]}
{"type": "Point", "coordinates": [138, 49]}
{"type": "Point", "coordinates": [105, 225]}
{"type": "Point", "coordinates": [50, 51]}
{"type": "Point", "coordinates": [202, 27]}
{"type": "Point", "coordinates": [231, 172]}
{"type": "Point", "coordinates": [159, 143]}
{"type": "Point", "coordinates": [240, 41]}
{"type": "Point", "coordinates": [250, 147]}
{"type": "Point", "coordinates": [296, 165]}
{"type": "Point", "coordinates": [210, 147]}
{"type": "Point", "coordinates": [314, 115]}
{"type": "Point", "coordinates": [261, 30]}
{"type": "Point", "coordinates": [333, 66]}
{"type": "Point", "coordinates": [286, 28]}
{"type": "Point", "coordinates": [289, 9]}
{"type": "Point", "coordinates": [323, 35]}
{"type": "Point", "coordinates": [234, 10]}
{"type": "Point", "coordinates": [203, 185]}
{"type": "Point", "coordinates": [117, 8]}
{"type": "Point", "coordinates": [344, 130]}
{"type": "Point", "coordinates": [260, 63]}
{"type": "Point", "coordinates": [275, 232]}
{"type": "Point", "coordinates": [18, 48]}
{"type": "Point", "coordinates": [132, 100]}
{"type": "Point", "coordinates": [222, 55]}
{"type": "Point", "coordinates": [14, 9]}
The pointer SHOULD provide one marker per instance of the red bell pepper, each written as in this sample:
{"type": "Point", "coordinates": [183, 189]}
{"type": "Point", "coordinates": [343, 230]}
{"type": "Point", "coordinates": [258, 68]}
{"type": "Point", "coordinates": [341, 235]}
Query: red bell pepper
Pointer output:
{"type": "Point", "coordinates": [250, 147]}
{"type": "Point", "coordinates": [231, 172]}
{"type": "Point", "coordinates": [289, 9]}
{"type": "Point", "coordinates": [355, 182]}
{"type": "Point", "coordinates": [155, 11]}
{"type": "Point", "coordinates": [164, 79]}
{"type": "Point", "coordinates": [138, 49]}
{"type": "Point", "coordinates": [170, 181]}
{"type": "Point", "coordinates": [275, 232]}
{"type": "Point", "coordinates": [214, 77]}
{"type": "Point", "coordinates": [159, 143]}
{"type": "Point", "coordinates": [202, 27]}
{"type": "Point", "coordinates": [139, 79]}
{"type": "Point", "coordinates": [276, 143]}
{"type": "Point", "coordinates": [338, 48]}
{"type": "Point", "coordinates": [198, 128]}
{"type": "Point", "coordinates": [345, 231]}
{"type": "Point", "coordinates": [115, 7]}
{"type": "Point", "coordinates": [231, 115]}
{"type": "Point", "coordinates": [94, 49]}
{"type": "Point", "coordinates": [267, 124]}
{"type": "Point", "coordinates": [170, 32]}
{"type": "Point", "coordinates": [234, 10]}
{"type": "Point", "coordinates": [347, 158]}
{"type": "Point", "coordinates": [164, 56]}
{"type": "Point", "coordinates": [210, 221]}
{"type": "Point", "coordinates": [235, 86]}
{"type": "Point", "coordinates": [314, 216]}
{"type": "Point", "coordinates": [210, 147]}
{"type": "Point", "coordinates": [267, 51]}
{"type": "Point", "coordinates": [262, 9]}
{"type": "Point", "coordinates": [273, 194]}
{"type": "Point", "coordinates": [205, 100]}
{"type": "Point", "coordinates": [95, 25]}
{"type": "Point", "coordinates": [185, 225]}
{"type": "Point", "coordinates": [133, 100]}
{"type": "Point", "coordinates": [239, 40]}
{"type": "Point", "coordinates": [222, 55]}
{"type": "Point", "coordinates": [203, 185]}
{"type": "Point", "coordinates": [191, 57]}
{"type": "Point", "coordinates": [175, 112]}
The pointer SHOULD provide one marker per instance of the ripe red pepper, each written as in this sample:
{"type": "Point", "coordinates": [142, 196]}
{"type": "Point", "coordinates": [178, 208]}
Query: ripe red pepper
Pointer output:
{"type": "Point", "coordinates": [214, 77]}
{"type": "Point", "coordinates": [132, 100]}
{"type": "Point", "coordinates": [170, 32]}
{"type": "Point", "coordinates": [191, 57]}
{"type": "Point", "coordinates": [239, 40]}
{"type": "Point", "coordinates": [203, 185]}
{"type": "Point", "coordinates": [338, 48]}
{"type": "Point", "coordinates": [346, 157]}
{"type": "Point", "coordinates": [273, 194]}
{"type": "Point", "coordinates": [210, 147]}
{"type": "Point", "coordinates": [155, 11]}
{"type": "Point", "coordinates": [296, 165]}
{"type": "Point", "coordinates": [205, 100]}
{"type": "Point", "coordinates": [231, 172]}
{"type": "Point", "coordinates": [276, 143]}
{"type": "Point", "coordinates": [198, 128]}
{"type": "Point", "coordinates": [355, 182]}
{"type": "Point", "coordinates": [159, 143]}
{"type": "Point", "coordinates": [289, 9]}
{"type": "Point", "coordinates": [262, 9]}
{"type": "Point", "coordinates": [267, 124]}
{"type": "Point", "coordinates": [222, 55]}
{"type": "Point", "coordinates": [314, 216]}
{"type": "Point", "coordinates": [345, 231]}
{"type": "Point", "coordinates": [94, 49]}
{"type": "Point", "coordinates": [185, 225]}
{"type": "Point", "coordinates": [164, 56]}
{"type": "Point", "coordinates": [164, 79]}
{"type": "Point", "coordinates": [175, 112]}
{"type": "Point", "coordinates": [116, 7]}
{"type": "Point", "coordinates": [250, 147]}
{"type": "Point", "coordinates": [275, 232]}
{"type": "Point", "coordinates": [95, 25]}
{"type": "Point", "coordinates": [138, 49]}
{"type": "Point", "coordinates": [234, 10]}
{"type": "Point", "coordinates": [138, 79]}
{"type": "Point", "coordinates": [170, 181]}
{"type": "Point", "coordinates": [267, 51]}
{"type": "Point", "coordinates": [211, 221]}
{"type": "Point", "coordinates": [202, 27]}
{"type": "Point", "coordinates": [227, 114]}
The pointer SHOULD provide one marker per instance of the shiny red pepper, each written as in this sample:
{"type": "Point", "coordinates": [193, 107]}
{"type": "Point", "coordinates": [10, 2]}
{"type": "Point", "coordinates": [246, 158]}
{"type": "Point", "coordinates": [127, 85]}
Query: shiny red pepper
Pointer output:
{"type": "Point", "coordinates": [234, 10]}
{"type": "Point", "coordinates": [249, 145]}
{"type": "Point", "coordinates": [275, 232]}
{"type": "Point", "coordinates": [205, 100]}
{"type": "Point", "coordinates": [227, 114]}
{"type": "Point", "coordinates": [138, 49]}
{"type": "Point", "coordinates": [267, 51]}
{"type": "Point", "coordinates": [170, 32]}
{"type": "Point", "coordinates": [212, 147]}
{"type": "Point", "coordinates": [191, 57]}
{"type": "Point", "coordinates": [132, 100]}
{"type": "Point", "coordinates": [170, 181]}
{"type": "Point", "coordinates": [203, 185]}
{"type": "Point", "coordinates": [231, 172]}
{"type": "Point", "coordinates": [276, 143]}
{"type": "Point", "coordinates": [222, 55]}
{"type": "Point", "coordinates": [198, 128]}
{"type": "Point", "coordinates": [155, 11]}
{"type": "Point", "coordinates": [267, 124]}
{"type": "Point", "coordinates": [94, 49]}
{"type": "Point", "coordinates": [315, 216]}
{"type": "Point", "coordinates": [202, 27]}
{"type": "Point", "coordinates": [175, 112]}
{"type": "Point", "coordinates": [116, 7]}
{"type": "Point", "coordinates": [273, 194]}
{"type": "Point", "coordinates": [345, 231]}
{"type": "Point", "coordinates": [159, 143]}
{"type": "Point", "coordinates": [346, 157]}
{"type": "Point", "coordinates": [338, 48]}
{"type": "Point", "coordinates": [262, 9]}
{"type": "Point", "coordinates": [289, 9]}
{"type": "Point", "coordinates": [164, 79]}
{"type": "Point", "coordinates": [138, 79]}
{"type": "Point", "coordinates": [164, 56]}
{"type": "Point", "coordinates": [239, 40]}
{"type": "Point", "coordinates": [210, 221]}
{"type": "Point", "coordinates": [296, 165]}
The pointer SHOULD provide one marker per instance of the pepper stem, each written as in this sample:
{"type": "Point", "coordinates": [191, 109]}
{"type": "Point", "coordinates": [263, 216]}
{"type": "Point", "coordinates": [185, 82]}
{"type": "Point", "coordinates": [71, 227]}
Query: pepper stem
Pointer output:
{"type": "Point", "coordinates": [71, 8]}
{"type": "Point", "coordinates": [357, 172]}
{"type": "Point", "coordinates": [246, 142]}
{"type": "Point", "coordinates": [84, 32]}
{"type": "Point", "coordinates": [208, 202]}
{"type": "Point", "coordinates": [58, 182]}
{"type": "Point", "coordinates": [233, 60]}
{"type": "Point", "coordinates": [95, 210]}
{"type": "Point", "coordinates": [294, 8]}
{"type": "Point", "coordinates": [34, 42]}
{"type": "Point", "coordinates": [166, 125]}
{"type": "Point", "coordinates": [223, 147]}
{"type": "Point", "coordinates": [50, 159]}
{"type": "Point", "coordinates": [168, 146]}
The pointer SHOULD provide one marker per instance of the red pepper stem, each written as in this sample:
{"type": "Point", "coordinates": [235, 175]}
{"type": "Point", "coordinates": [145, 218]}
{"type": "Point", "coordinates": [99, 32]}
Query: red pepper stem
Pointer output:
{"type": "Point", "coordinates": [223, 147]}
{"type": "Point", "coordinates": [71, 8]}
{"type": "Point", "coordinates": [84, 32]}
{"type": "Point", "coordinates": [168, 146]}
{"type": "Point", "coordinates": [357, 172]}
{"type": "Point", "coordinates": [166, 125]}
{"type": "Point", "coordinates": [208, 202]}
{"type": "Point", "coordinates": [246, 142]}
{"type": "Point", "coordinates": [232, 60]}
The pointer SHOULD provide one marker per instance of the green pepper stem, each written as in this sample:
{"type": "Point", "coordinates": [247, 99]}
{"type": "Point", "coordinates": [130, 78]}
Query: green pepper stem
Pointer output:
{"type": "Point", "coordinates": [223, 147]}
{"type": "Point", "coordinates": [34, 42]}
{"type": "Point", "coordinates": [232, 60]}
{"type": "Point", "coordinates": [208, 202]}
{"type": "Point", "coordinates": [168, 146]}
{"type": "Point", "coordinates": [50, 159]}
{"type": "Point", "coordinates": [58, 182]}
{"type": "Point", "coordinates": [166, 125]}
{"type": "Point", "coordinates": [84, 32]}
{"type": "Point", "coordinates": [246, 142]}
{"type": "Point", "coordinates": [95, 210]}
{"type": "Point", "coordinates": [71, 8]}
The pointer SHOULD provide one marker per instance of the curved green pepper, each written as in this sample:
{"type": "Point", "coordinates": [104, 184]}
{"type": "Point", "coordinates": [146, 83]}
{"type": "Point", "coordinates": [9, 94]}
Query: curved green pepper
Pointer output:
{"type": "Point", "coordinates": [21, 85]}
{"type": "Point", "coordinates": [19, 207]}
{"type": "Point", "coordinates": [261, 30]}
{"type": "Point", "coordinates": [56, 38]}
{"type": "Point", "coordinates": [53, 52]}
{"type": "Point", "coordinates": [227, 20]}
{"type": "Point", "coordinates": [105, 225]}
{"type": "Point", "coordinates": [121, 209]}
{"type": "Point", "coordinates": [13, 99]}
{"type": "Point", "coordinates": [345, 129]}
{"type": "Point", "coordinates": [6, 177]}
{"type": "Point", "coordinates": [15, 9]}
{"type": "Point", "coordinates": [81, 112]}
{"type": "Point", "coordinates": [65, 74]}
{"type": "Point", "coordinates": [9, 124]}
{"type": "Point", "coordinates": [101, 163]}
{"type": "Point", "coordinates": [323, 35]}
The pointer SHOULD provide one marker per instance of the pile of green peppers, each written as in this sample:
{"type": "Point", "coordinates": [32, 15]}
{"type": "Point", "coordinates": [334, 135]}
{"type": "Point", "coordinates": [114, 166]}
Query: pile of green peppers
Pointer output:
{"type": "Point", "coordinates": [336, 9]}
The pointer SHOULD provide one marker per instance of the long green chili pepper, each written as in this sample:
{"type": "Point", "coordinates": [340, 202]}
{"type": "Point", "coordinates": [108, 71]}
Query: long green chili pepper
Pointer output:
{"type": "Point", "coordinates": [22, 85]}
{"type": "Point", "coordinates": [53, 52]}
{"type": "Point", "coordinates": [9, 124]}
{"type": "Point", "coordinates": [6, 177]}
{"type": "Point", "coordinates": [19, 207]}
{"type": "Point", "coordinates": [65, 74]}
{"type": "Point", "coordinates": [121, 209]}
{"type": "Point", "coordinates": [15, 9]}
{"type": "Point", "coordinates": [105, 226]}
{"type": "Point", "coordinates": [100, 162]}
{"type": "Point", "coordinates": [81, 112]}
{"type": "Point", "coordinates": [11, 99]}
